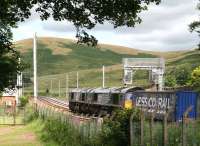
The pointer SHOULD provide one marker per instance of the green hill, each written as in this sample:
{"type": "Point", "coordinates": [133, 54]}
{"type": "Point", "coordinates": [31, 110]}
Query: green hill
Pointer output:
{"type": "Point", "coordinates": [56, 57]}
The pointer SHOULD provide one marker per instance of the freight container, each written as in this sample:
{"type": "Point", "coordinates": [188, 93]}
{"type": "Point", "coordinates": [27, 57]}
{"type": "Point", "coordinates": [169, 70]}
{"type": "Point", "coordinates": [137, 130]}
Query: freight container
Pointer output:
{"type": "Point", "coordinates": [172, 103]}
{"type": "Point", "coordinates": [185, 99]}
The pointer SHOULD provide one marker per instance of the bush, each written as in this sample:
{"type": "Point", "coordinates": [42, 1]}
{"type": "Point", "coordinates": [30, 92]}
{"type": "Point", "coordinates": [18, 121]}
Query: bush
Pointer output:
{"type": "Point", "coordinates": [183, 74]}
{"type": "Point", "coordinates": [62, 133]}
{"type": "Point", "coordinates": [170, 81]}
{"type": "Point", "coordinates": [178, 76]}
{"type": "Point", "coordinates": [30, 114]}
{"type": "Point", "coordinates": [23, 101]}
{"type": "Point", "coordinates": [195, 78]}
{"type": "Point", "coordinates": [115, 131]}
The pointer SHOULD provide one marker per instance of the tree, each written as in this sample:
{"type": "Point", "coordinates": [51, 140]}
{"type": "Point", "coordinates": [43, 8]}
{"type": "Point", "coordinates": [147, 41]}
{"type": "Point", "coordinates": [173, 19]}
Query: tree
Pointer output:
{"type": "Point", "coordinates": [170, 81]}
{"type": "Point", "coordinates": [84, 14]}
{"type": "Point", "coordinates": [8, 59]}
{"type": "Point", "coordinates": [195, 26]}
{"type": "Point", "coordinates": [182, 74]}
{"type": "Point", "coordinates": [116, 130]}
{"type": "Point", "coordinates": [11, 12]}
{"type": "Point", "coordinates": [178, 76]}
{"type": "Point", "coordinates": [195, 78]}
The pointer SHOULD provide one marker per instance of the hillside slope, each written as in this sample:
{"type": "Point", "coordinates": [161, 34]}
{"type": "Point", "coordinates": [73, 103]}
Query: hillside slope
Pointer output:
{"type": "Point", "coordinates": [57, 55]}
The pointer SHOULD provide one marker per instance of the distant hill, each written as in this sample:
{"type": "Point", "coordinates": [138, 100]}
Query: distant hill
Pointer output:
{"type": "Point", "coordinates": [56, 57]}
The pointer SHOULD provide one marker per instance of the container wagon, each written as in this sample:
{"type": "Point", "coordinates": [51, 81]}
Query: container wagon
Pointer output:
{"type": "Point", "coordinates": [173, 103]}
{"type": "Point", "coordinates": [103, 101]}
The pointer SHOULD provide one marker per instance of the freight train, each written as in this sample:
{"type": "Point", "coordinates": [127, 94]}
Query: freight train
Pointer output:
{"type": "Point", "coordinates": [103, 101]}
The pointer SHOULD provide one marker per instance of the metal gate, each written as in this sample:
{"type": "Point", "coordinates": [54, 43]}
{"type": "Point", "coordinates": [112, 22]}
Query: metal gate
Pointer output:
{"type": "Point", "coordinates": [10, 115]}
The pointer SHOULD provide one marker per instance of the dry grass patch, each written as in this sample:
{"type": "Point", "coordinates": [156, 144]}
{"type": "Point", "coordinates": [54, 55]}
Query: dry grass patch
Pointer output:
{"type": "Point", "coordinates": [18, 136]}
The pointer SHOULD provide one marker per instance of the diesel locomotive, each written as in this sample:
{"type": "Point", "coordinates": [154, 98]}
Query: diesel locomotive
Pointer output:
{"type": "Point", "coordinates": [103, 101]}
{"type": "Point", "coordinates": [100, 101]}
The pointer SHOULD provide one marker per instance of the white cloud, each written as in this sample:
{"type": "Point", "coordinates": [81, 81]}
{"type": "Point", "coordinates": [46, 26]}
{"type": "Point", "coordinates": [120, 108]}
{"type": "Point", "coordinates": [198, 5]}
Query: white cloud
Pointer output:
{"type": "Point", "coordinates": [164, 27]}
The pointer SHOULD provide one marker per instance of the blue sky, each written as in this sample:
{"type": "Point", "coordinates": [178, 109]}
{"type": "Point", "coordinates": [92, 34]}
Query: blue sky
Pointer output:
{"type": "Point", "coordinates": [164, 28]}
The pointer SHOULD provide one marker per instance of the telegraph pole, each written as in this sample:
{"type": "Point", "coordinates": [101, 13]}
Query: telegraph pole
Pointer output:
{"type": "Point", "coordinates": [59, 88]}
{"type": "Point", "coordinates": [77, 80]}
{"type": "Point", "coordinates": [35, 68]}
{"type": "Point", "coordinates": [67, 85]}
{"type": "Point", "coordinates": [103, 76]}
{"type": "Point", "coordinates": [51, 87]}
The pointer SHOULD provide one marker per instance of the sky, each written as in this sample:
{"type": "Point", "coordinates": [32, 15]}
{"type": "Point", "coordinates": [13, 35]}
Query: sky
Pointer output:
{"type": "Point", "coordinates": [164, 28]}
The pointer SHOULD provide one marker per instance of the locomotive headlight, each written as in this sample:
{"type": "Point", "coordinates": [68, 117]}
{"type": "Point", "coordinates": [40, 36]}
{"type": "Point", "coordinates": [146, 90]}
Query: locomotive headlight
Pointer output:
{"type": "Point", "coordinates": [128, 104]}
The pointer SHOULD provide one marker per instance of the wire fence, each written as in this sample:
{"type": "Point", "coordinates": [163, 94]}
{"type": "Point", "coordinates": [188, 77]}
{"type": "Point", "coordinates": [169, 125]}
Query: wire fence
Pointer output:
{"type": "Point", "coordinates": [58, 85]}
{"type": "Point", "coordinates": [10, 115]}
{"type": "Point", "coordinates": [86, 127]}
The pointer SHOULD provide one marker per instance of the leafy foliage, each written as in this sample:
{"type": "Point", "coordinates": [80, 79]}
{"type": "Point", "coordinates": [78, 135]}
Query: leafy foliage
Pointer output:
{"type": "Point", "coordinates": [87, 13]}
{"type": "Point", "coordinates": [182, 74]}
{"type": "Point", "coordinates": [195, 26]}
{"type": "Point", "coordinates": [195, 78]}
{"type": "Point", "coordinates": [178, 76]}
{"type": "Point", "coordinates": [12, 11]}
{"type": "Point", "coordinates": [23, 101]}
{"type": "Point", "coordinates": [8, 58]}
{"type": "Point", "coordinates": [115, 130]}
{"type": "Point", "coordinates": [170, 81]}
{"type": "Point", "coordinates": [84, 14]}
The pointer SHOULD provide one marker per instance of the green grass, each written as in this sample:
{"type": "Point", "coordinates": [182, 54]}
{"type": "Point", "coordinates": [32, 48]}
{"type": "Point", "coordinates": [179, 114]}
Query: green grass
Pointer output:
{"type": "Point", "coordinates": [53, 59]}
{"type": "Point", "coordinates": [191, 59]}
{"type": "Point", "coordinates": [81, 57]}
{"type": "Point", "coordinates": [87, 78]}
{"type": "Point", "coordinates": [28, 135]}
{"type": "Point", "coordinates": [53, 67]}
{"type": "Point", "coordinates": [9, 120]}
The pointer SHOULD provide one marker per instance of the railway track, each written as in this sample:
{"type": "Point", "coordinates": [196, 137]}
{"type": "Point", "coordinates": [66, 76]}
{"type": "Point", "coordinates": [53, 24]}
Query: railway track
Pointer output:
{"type": "Point", "coordinates": [64, 106]}
{"type": "Point", "coordinates": [57, 103]}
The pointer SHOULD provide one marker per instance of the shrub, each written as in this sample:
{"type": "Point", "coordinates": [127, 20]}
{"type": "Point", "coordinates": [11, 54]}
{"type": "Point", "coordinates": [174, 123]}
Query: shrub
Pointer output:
{"type": "Point", "coordinates": [182, 74]}
{"type": "Point", "coordinates": [60, 132]}
{"type": "Point", "coordinates": [30, 114]}
{"type": "Point", "coordinates": [170, 81]}
{"type": "Point", "coordinates": [195, 78]}
{"type": "Point", "coordinates": [23, 101]}
{"type": "Point", "coordinates": [115, 131]}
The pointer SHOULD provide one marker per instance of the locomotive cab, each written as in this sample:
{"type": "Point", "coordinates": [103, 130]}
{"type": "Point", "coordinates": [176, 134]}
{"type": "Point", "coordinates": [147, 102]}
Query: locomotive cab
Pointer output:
{"type": "Point", "coordinates": [129, 97]}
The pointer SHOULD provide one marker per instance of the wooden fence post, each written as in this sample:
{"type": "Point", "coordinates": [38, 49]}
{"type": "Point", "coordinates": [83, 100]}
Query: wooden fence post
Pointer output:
{"type": "Point", "coordinates": [165, 131]}
{"type": "Point", "coordinates": [14, 115]}
{"type": "Point", "coordinates": [184, 124]}
{"type": "Point", "coordinates": [142, 128]}
{"type": "Point", "coordinates": [151, 129]}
